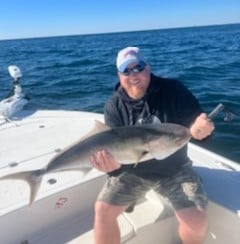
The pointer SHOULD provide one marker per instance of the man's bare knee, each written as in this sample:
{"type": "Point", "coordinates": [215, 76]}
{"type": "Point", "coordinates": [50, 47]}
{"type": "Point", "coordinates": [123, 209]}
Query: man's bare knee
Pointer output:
{"type": "Point", "coordinates": [193, 225]}
{"type": "Point", "coordinates": [106, 210]}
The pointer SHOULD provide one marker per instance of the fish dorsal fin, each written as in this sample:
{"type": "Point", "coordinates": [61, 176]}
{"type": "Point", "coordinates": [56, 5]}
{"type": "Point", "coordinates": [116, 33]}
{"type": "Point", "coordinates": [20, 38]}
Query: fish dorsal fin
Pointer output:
{"type": "Point", "coordinates": [98, 127]}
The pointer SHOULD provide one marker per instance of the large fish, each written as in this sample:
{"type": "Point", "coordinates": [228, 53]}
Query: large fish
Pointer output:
{"type": "Point", "coordinates": [128, 145]}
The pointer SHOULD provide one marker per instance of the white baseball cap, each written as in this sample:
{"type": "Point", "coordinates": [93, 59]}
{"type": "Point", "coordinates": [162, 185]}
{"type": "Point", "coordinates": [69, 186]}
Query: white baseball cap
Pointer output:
{"type": "Point", "coordinates": [127, 56]}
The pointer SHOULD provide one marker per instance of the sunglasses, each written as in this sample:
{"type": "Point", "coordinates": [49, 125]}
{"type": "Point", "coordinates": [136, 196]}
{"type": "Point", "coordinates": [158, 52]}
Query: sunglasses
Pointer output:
{"type": "Point", "coordinates": [136, 69]}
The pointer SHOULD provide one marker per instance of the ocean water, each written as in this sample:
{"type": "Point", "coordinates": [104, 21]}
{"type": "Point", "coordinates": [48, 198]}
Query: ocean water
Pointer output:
{"type": "Point", "coordinates": [78, 72]}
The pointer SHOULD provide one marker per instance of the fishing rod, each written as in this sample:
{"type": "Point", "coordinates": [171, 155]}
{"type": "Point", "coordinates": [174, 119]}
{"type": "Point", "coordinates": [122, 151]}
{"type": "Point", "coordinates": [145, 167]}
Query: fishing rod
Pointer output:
{"type": "Point", "coordinates": [229, 113]}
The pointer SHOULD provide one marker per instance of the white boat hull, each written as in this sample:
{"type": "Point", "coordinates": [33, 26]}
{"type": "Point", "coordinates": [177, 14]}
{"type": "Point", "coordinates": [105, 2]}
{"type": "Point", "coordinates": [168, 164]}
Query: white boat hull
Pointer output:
{"type": "Point", "coordinates": [63, 211]}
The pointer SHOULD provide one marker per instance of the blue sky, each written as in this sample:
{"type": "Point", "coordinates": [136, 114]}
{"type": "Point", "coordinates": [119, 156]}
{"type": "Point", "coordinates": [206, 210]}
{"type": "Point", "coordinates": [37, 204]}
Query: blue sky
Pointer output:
{"type": "Point", "coordinates": [37, 18]}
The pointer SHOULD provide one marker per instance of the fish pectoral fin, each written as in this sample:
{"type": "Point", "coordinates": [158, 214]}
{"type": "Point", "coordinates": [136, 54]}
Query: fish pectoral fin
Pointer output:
{"type": "Point", "coordinates": [146, 156]}
{"type": "Point", "coordinates": [141, 157]}
{"type": "Point", "coordinates": [154, 150]}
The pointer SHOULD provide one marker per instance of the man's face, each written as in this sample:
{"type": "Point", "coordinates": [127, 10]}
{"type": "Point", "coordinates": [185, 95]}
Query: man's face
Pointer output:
{"type": "Point", "coordinates": [135, 80]}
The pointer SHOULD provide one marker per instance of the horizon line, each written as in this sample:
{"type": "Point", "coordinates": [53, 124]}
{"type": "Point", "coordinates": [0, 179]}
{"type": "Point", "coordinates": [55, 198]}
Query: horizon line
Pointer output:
{"type": "Point", "coordinates": [116, 32]}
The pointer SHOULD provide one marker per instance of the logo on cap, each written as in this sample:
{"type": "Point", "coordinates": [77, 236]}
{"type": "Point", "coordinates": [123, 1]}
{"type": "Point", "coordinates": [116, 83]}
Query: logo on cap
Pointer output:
{"type": "Point", "coordinates": [130, 52]}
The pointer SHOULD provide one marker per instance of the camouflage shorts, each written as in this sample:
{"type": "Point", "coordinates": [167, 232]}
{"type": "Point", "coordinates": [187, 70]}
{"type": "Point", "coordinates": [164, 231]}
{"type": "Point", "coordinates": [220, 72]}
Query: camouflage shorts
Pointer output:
{"type": "Point", "coordinates": [183, 189]}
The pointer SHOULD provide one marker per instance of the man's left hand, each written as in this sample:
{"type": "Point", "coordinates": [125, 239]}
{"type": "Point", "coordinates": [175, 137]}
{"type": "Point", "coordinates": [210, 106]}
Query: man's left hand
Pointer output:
{"type": "Point", "coordinates": [202, 127]}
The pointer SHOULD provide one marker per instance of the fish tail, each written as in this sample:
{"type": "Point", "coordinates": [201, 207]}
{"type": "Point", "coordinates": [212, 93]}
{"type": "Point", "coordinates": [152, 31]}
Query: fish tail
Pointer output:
{"type": "Point", "coordinates": [33, 178]}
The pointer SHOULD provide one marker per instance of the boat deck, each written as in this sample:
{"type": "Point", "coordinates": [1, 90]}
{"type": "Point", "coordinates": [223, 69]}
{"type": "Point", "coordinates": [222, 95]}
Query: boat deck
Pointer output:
{"type": "Point", "coordinates": [64, 208]}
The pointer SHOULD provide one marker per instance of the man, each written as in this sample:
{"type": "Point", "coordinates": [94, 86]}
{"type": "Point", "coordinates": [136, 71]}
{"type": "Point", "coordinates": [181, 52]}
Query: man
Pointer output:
{"type": "Point", "coordinates": [141, 97]}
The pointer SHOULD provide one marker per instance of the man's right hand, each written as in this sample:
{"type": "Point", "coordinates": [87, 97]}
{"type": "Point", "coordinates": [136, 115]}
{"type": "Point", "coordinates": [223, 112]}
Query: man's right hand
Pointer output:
{"type": "Point", "coordinates": [104, 161]}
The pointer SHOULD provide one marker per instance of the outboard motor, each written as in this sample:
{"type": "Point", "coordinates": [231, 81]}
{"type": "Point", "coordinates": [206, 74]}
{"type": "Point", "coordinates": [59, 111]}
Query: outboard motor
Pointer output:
{"type": "Point", "coordinates": [17, 100]}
